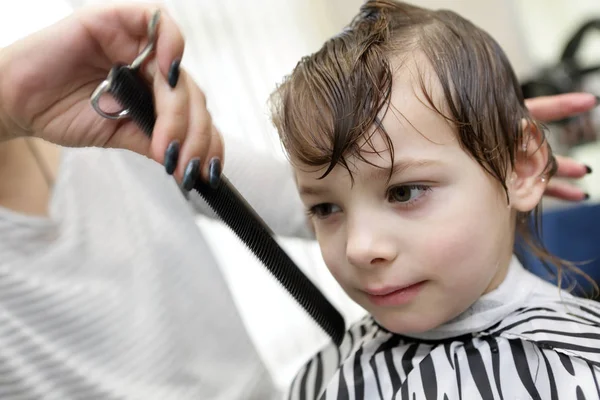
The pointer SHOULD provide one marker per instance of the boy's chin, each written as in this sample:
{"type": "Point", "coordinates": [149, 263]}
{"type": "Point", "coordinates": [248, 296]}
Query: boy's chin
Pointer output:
{"type": "Point", "coordinates": [425, 314]}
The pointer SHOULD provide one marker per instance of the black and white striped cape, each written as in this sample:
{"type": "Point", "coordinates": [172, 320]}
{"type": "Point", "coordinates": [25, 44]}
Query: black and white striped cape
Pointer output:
{"type": "Point", "coordinates": [549, 349]}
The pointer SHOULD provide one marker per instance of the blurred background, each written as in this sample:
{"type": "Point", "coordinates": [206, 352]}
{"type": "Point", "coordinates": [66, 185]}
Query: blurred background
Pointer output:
{"type": "Point", "coordinates": [239, 50]}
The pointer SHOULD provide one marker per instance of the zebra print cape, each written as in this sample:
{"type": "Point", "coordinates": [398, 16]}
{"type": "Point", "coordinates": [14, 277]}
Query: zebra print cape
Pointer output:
{"type": "Point", "coordinates": [548, 348]}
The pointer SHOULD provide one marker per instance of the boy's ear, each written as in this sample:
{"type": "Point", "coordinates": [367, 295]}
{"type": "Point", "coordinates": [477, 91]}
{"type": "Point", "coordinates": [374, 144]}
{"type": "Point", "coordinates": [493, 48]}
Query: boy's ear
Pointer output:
{"type": "Point", "coordinates": [528, 181]}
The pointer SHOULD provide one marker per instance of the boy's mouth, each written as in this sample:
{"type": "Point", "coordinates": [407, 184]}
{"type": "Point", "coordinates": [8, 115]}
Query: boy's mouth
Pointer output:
{"type": "Point", "coordinates": [394, 295]}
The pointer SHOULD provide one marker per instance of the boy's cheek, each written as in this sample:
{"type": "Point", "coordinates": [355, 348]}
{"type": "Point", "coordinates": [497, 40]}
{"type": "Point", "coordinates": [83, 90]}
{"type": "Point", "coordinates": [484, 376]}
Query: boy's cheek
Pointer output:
{"type": "Point", "coordinates": [460, 253]}
{"type": "Point", "coordinates": [335, 260]}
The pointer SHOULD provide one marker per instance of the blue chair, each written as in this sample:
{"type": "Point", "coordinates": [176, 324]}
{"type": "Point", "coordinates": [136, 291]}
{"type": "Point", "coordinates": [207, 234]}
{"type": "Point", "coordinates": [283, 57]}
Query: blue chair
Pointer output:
{"type": "Point", "coordinates": [573, 234]}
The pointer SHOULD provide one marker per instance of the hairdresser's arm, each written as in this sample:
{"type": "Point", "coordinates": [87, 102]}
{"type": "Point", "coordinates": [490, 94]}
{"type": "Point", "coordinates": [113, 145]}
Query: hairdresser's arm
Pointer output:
{"type": "Point", "coordinates": [267, 184]}
{"type": "Point", "coordinates": [552, 108]}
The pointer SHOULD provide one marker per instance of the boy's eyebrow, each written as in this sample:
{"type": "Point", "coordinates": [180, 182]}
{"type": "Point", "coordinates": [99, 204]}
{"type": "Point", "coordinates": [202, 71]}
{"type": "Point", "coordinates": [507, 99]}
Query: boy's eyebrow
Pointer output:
{"type": "Point", "coordinates": [379, 173]}
{"type": "Point", "coordinates": [403, 165]}
{"type": "Point", "coordinates": [311, 190]}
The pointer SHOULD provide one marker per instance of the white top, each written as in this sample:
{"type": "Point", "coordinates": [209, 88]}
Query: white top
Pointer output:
{"type": "Point", "coordinates": [117, 295]}
{"type": "Point", "coordinates": [524, 340]}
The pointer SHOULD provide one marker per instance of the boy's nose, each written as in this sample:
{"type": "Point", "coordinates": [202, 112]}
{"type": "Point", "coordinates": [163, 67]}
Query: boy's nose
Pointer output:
{"type": "Point", "coordinates": [368, 246]}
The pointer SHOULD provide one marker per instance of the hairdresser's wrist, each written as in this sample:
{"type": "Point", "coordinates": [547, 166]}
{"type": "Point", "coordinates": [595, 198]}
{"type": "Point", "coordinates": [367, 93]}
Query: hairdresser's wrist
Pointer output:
{"type": "Point", "coordinates": [8, 128]}
{"type": "Point", "coordinates": [4, 129]}
{"type": "Point", "coordinates": [4, 124]}
{"type": "Point", "coordinates": [3, 116]}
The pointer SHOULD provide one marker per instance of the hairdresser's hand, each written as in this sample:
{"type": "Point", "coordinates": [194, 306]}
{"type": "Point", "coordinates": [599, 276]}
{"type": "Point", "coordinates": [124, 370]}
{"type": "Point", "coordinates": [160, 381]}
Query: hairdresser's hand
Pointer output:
{"type": "Point", "coordinates": [46, 81]}
{"type": "Point", "coordinates": [553, 108]}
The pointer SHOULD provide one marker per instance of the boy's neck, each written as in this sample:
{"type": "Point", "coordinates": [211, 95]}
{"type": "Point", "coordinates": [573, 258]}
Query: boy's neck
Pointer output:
{"type": "Point", "coordinates": [501, 272]}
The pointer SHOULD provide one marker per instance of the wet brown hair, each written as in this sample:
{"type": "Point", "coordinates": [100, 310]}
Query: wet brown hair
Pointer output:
{"type": "Point", "coordinates": [326, 109]}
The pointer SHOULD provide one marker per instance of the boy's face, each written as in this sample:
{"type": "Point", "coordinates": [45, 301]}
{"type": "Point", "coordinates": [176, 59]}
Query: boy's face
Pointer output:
{"type": "Point", "coordinates": [419, 249]}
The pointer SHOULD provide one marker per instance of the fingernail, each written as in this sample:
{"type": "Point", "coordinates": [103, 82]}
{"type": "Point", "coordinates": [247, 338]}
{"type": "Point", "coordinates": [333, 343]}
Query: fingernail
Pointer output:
{"type": "Point", "coordinates": [174, 73]}
{"type": "Point", "coordinates": [214, 172]}
{"type": "Point", "coordinates": [597, 101]}
{"type": "Point", "coordinates": [586, 196]}
{"type": "Point", "coordinates": [171, 157]}
{"type": "Point", "coordinates": [588, 169]}
{"type": "Point", "coordinates": [191, 174]}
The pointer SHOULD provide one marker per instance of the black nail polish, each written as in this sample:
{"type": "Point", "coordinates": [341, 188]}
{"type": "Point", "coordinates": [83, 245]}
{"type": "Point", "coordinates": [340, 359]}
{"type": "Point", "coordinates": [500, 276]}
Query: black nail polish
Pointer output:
{"type": "Point", "coordinates": [214, 172]}
{"type": "Point", "coordinates": [586, 196]}
{"type": "Point", "coordinates": [171, 157]}
{"type": "Point", "coordinates": [191, 174]}
{"type": "Point", "coordinates": [588, 169]}
{"type": "Point", "coordinates": [174, 73]}
{"type": "Point", "coordinates": [597, 101]}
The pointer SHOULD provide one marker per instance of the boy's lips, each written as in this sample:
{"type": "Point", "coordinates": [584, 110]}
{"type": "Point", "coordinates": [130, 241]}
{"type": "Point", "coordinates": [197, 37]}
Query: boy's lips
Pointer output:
{"type": "Point", "coordinates": [393, 295]}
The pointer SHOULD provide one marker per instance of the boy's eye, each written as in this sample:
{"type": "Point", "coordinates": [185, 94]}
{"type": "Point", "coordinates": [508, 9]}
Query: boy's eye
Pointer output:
{"type": "Point", "coordinates": [323, 210]}
{"type": "Point", "coordinates": [406, 193]}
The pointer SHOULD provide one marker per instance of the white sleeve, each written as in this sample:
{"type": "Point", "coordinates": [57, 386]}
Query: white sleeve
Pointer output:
{"type": "Point", "coordinates": [267, 184]}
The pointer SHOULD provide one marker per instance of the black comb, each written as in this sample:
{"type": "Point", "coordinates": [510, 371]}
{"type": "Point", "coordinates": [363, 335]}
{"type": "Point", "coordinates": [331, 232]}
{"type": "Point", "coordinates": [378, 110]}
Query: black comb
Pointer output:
{"type": "Point", "coordinates": [134, 95]}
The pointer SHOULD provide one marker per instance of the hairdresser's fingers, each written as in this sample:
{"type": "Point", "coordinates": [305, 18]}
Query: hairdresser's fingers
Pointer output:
{"type": "Point", "coordinates": [169, 47]}
{"type": "Point", "coordinates": [211, 172]}
{"type": "Point", "coordinates": [195, 148]}
{"type": "Point", "coordinates": [121, 32]}
{"type": "Point", "coordinates": [169, 44]}
{"type": "Point", "coordinates": [565, 191]}
{"type": "Point", "coordinates": [127, 135]}
{"type": "Point", "coordinates": [569, 168]}
{"type": "Point", "coordinates": [552, 108]}
{"type": "Point", "coordinates": [172, 100]}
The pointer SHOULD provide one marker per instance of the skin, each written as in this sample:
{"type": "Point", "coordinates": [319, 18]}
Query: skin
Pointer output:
{"type": "Point", "coordinates": [440, 221]}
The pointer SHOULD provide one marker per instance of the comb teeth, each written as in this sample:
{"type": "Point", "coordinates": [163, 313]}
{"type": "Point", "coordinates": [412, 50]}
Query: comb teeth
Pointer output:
{"type": "Point", "coordinates": [133, 94]}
